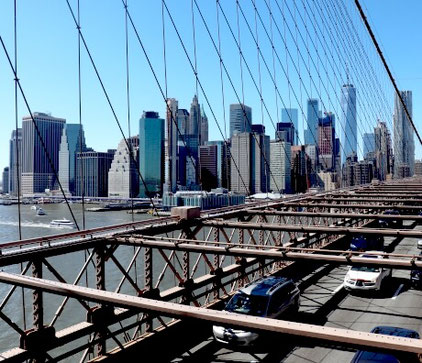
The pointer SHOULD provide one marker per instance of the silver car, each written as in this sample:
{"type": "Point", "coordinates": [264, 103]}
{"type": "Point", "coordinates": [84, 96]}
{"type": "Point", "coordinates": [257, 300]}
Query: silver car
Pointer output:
{"type": "Point", "coordinates": [267, 297]}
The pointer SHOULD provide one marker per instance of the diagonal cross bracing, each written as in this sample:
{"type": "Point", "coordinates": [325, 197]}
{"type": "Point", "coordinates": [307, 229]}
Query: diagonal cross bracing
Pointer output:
{"type": "Point", "coordinates": [346, 337]}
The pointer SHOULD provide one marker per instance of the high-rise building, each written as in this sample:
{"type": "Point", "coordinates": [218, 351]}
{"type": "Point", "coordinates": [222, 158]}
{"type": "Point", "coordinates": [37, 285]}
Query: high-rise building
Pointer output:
{"type": "Point", "coordinates": [280, 156]}
{"type": "Point", "coordinates": [208, 155]}
{"type": "Point", "coordinates": [182, 122]}
{"type": "Point", "coordinates": [203, 135]}
{"type": "Point", "coordinates": [172, 137]}
{"type": "Point", "coordinates": [290, 116]}
{"type": "Point", "coordinates": [326, 142]}
{"type": "Point", "coordinates": [15, 149]}
{"type": "Point", "coordinates": [298, 169]}
{"type": "Point", "coordinates": [192, 142]}
{"type": "Point", "coordinates": [72, 142]}
{"type": "Point", "coordinates": [311, 132]}
{"type": "Point", "coordinates": [418, 167]}
{"type": "Point", "coordinates": [240, 119]}
{"type": "Point", "coordinates": [260, 161]}
{"type": "Point", "coordinates": [348, 122]}
{"type": "Point", "coordinates": [123, 176]}
{"type": "Point", "coordinates": [240, 163]}
{"type": "Point", "coordinates": [223, 163]}
{"type": "Point", "coordinates": [151, 154]}
{"type": "Point", "coordinates": [383, 151]}
{"type": "Point", "coordinates": [285, 132]}
{"type": "Point", "coordinates": [93, 180]}
{"type": "Point", "coordinates": [5, 180]}
{"type": "Point", "coordinates": [368, 140]}
{"type": "Point", "coordinates": [39, 165]}
{"type": "Point", "coordinates": [311, 151]}
{"type": "Point", "coordinates": [404, 143]}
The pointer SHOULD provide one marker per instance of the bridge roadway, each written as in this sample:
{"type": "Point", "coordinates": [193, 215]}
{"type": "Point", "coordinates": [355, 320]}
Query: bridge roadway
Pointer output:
{"type": "Point", "coordinates": [327, 303]}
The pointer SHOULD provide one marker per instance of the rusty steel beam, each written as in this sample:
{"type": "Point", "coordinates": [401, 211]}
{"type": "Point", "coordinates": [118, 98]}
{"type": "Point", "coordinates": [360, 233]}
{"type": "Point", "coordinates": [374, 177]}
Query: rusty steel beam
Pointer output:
{"type": "Point", "coordinates": [274, 252]}
{"type": "Point", "coordinates": [365, 199]}
{"type": "Point", "coordinates": [351, 206]}
{"type": "Point", "coordinates": [316, 229]}
{"type": "Point", "coordinates": [405, 217]}
{"type": "Point", "coordinates": [345, 337]}
{"type": "Point", "coordinates": [372, 195]}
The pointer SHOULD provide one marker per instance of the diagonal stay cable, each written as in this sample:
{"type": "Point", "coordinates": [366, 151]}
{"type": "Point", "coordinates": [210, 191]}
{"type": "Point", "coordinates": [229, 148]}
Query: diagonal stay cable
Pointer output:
{"type": "Point", "coordinates": [162, 91]}
{"type": "Point", "coordinates": [50, 162]}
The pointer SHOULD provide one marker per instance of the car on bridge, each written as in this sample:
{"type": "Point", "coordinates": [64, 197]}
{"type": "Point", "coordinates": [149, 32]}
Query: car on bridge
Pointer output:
{"type": "Point", "coordinates": [366, 277]}
{"type": "Point", "coordinates": [266, 297]}
{"type": "Point", "coordinates": [369, 242]}
{"type": "Point", "coordinates": [362, 356]}
{"type": "Point", "coordinates": [391, 223]}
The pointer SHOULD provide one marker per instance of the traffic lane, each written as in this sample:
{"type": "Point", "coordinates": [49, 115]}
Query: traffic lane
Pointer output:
{"type": "Point", "coordinates": [325, 302]}
{"type": "Point", "coordinates": [397, 305]}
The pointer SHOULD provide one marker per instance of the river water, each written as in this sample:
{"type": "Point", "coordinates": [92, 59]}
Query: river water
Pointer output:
{"type": "Point", "coordinates": [67, 265]}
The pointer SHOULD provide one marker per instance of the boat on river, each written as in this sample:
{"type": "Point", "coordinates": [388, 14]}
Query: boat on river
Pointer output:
{"type": "Point", "coordinates": [61, 223]}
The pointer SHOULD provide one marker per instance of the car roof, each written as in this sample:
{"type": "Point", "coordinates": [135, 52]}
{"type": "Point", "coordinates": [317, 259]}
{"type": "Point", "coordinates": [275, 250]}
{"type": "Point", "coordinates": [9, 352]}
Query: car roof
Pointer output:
{"type": "Point", "coordinates": [392, 330]}
{"type": "Point", "coordinates": [265, 286]}
{"type": "Point", "coordinates": [362, 356]}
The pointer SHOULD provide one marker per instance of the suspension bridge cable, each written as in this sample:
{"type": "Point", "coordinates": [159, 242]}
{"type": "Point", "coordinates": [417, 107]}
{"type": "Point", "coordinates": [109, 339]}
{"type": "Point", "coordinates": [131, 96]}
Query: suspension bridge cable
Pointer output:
{"type": "Point", "coordinates": [368, 27]}
{"type": "Point", "coordinates": [107, 96]}
{"type": "Point", "coordinates": [50, 162]}
{"type": "Point", "coordinates": [160, 87]}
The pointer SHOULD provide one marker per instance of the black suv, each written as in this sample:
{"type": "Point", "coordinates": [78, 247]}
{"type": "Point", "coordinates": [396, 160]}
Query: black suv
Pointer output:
{"type": "Point", "coordinates": [266, 297]}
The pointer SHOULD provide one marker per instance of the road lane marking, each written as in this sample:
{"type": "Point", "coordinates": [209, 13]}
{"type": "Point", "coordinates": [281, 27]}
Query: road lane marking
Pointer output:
{"type": "Point", "coordinates": [397, 292]}
{"type": "Point", "coordinates": [338, 288]}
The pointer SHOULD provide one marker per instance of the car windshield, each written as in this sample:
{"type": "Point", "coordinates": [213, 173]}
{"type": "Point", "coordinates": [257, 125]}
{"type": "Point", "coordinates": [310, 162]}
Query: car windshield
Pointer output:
{"type": "Point", "coordinates": [365, 269]}
{"type": "Point", "coordinates": [248, 304]}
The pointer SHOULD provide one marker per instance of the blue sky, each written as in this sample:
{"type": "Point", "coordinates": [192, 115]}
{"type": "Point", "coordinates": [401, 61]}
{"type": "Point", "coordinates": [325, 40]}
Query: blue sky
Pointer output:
{"type": "Point", "coordinates": [47, 58]}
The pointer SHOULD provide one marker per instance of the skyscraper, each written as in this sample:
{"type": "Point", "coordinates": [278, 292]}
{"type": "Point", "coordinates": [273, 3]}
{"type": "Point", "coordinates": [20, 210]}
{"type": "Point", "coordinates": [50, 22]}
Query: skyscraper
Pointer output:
{"type": "Point", "coordinates": [241, 154]}
{"type": "Point", "coordinates": [223, 163]}
{"type": "Point", "coordinates": [5, 180]}
{"type": "Point", "coordinates": [203, 135]}
{"type": "Point", "coordinates": [209, 165]}
{"type": "Point", "coordinates": [151, 154]}
{"type": "Point", "coordinates": [348, 122]}
{"type": "Point", "coordinates": [383, 152]}
{"type": "Point", "coordinates": [240, 119]}
{"type": "Point", "coordinates": [192, 144]}
{"type": "Point", "coordinates": [72, 142]}
{"type": "Point", "coordinates": [123, 176]}
{"type": "Point", "coordinates": [280, 155]}
{"type": "Point", "coordinates": [368, 140]}
{"type": "Point", "coordinates": [93, 180]}
{"type": "Point", "coordinates": [285, 132]}
{"type": "Point", "coordinates": [172, 138]}
{"type": "Point", "coordinates": [38, 173]}
{"type": "Point", "coordinates": [404, 144]}
{"type": "Point", "coordinates": [15, 149]}
{"type": "Point", "coordinates": [311, 132]}
{"type": "Point", "coordinates": [326, 142]}
{"type": "Point", "coordinates": [260, 161]}
{"type": "Point", "coordinates": [289, 115]}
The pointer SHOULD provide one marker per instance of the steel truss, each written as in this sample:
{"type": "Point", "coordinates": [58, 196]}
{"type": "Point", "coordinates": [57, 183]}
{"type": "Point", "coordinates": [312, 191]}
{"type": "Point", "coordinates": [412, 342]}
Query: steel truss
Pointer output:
{"type": "Point", "coordinates": [179, 266]}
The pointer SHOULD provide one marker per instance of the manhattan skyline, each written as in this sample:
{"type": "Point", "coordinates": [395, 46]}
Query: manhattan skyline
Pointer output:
{"type": "Point", "coordinates": [56, 90]}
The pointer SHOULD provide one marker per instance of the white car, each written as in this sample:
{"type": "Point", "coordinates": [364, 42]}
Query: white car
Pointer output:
{"type": "Point", "coordinates": [365, 277]}
{"type": "Point", "coordinates": [420, 244]}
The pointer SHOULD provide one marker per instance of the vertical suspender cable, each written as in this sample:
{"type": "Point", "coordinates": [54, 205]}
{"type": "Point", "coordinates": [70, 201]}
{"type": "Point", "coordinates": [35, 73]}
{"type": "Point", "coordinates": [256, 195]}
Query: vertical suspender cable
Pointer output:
{"type": "Point", "coordinates": [16, 162]}
{"type": "Point", "coordinates": [131, 146]}
{"type": "Point", "coordinates": [199, 120]}
{"type": "Point", "coordinates": [390, 75]}
{"type": "Point", "coordinates": [81, 171]}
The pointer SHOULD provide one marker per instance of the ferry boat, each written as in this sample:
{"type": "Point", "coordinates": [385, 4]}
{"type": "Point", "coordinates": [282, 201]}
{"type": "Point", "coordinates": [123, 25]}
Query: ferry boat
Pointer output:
{"type": "Point", "coordinates": [40, 212]}
{"type": "Point", "coordinates": [61, 223]}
